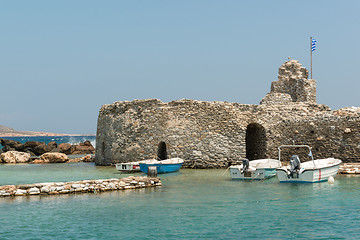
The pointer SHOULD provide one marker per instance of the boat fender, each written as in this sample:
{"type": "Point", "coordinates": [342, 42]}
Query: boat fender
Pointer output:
{"type": "Point", "coordinates": [331, 180]}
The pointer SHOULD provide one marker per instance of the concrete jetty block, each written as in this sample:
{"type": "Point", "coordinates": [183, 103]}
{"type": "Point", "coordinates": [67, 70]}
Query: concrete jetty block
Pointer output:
{"type": "Point", "coordinates": [45, 189]}
{"type": "Point", "coordinates": [34, 191]}
{"type": "Point", "coordinates": [4, 194]}
{"type": "Point", "coordinates": [20, 192]}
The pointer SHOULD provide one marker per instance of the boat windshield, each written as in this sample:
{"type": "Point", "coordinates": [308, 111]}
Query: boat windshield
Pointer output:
{"type": "Point", "coordinates": [296, 146]}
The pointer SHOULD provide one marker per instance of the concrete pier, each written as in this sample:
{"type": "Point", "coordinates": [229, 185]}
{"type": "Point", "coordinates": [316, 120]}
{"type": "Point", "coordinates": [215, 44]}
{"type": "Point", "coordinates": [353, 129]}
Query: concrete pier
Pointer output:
{"type": "Point", "coordinates": [85, 186]}
{"type": "Point", "coordinates": [349, 168]}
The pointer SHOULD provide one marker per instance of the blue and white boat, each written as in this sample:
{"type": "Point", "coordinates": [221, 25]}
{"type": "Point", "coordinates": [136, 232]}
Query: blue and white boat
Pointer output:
{"type": "Point", "coordinates": [163, 166]}
{"type": "Point", "coordinates": [259, 169]}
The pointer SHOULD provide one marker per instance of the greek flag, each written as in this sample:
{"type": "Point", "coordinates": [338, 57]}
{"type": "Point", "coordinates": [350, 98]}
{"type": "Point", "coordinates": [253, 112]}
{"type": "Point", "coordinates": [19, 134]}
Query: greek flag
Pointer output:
{"type": "Point", "coordinates": [313, 45]}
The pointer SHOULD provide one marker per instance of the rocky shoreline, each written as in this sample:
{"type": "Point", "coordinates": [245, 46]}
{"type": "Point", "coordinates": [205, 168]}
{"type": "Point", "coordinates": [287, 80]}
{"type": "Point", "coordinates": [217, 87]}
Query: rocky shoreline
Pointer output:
{"type": "Point", "coordinates": [38, 152]}
{"type": "Point", "coordinates": [14, 157]}
{"type": "Point", "coordinates": [35, 148]}
{"type": "Point", "coordinates": [85, 186]}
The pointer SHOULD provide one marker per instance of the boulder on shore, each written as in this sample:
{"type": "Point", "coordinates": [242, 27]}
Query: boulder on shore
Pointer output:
{"type": "Point", "coordinates": [41, 149]}
{"type": "Point", "coordinates": [82, 149]}
{"type": "Point", "coordinates": [46, 159]}
{"type": "Point", "coordinates": [8, 142]}
{"type": "Point", "coordinates": [52, 145]}
{"type": "Point", "coordinates": [65, 148]}
{"type": "Point", "coordinates": [56, 150]}
{"type": "Point", "coordinates": [53, 157]}
{"type": "Point", "coordinates": [37, 161]}
{"type": "Point", "coordinates": [87, 158]}
{"type": "Point", "coordinates": [14, 157]}
{"type": "Point", "coordinates": [33, 144]}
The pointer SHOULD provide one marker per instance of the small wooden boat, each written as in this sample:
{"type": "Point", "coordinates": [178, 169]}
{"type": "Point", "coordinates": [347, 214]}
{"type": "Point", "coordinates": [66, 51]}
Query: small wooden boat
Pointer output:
{"type": "Point", "coordinates": [309, 171]}
{"type": "Point", "coordinates": [163, 166]}
{"type": "Point", "coordinates": [255, 170]}
{"type": "Point", "coordinates": [128, 167]}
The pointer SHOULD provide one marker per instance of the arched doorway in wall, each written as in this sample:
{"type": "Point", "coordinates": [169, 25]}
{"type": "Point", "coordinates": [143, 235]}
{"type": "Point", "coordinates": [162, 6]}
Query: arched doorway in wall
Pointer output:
{"type": "Point", "coordinates": [162, 154]}
{"type": "Point", "coordinates": [255, 141]}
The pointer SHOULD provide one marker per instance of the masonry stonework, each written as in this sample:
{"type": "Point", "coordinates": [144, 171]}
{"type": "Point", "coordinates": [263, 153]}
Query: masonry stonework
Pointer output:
{"type": "Point", "coordinates": [215, 134]}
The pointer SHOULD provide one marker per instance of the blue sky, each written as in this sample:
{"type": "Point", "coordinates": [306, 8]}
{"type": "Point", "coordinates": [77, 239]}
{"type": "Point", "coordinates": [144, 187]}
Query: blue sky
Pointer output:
{"type": "Point", "coordinates": [62, 60]}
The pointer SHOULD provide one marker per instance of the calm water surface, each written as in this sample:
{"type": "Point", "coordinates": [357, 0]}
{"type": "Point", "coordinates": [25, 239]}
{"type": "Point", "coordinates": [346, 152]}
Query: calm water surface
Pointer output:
{"type": "Point", "coordinates": [191, 204]}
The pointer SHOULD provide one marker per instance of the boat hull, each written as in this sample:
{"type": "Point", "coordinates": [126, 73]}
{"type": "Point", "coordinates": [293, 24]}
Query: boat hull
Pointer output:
{"type": "Point", "coordinates": [311, 174]}
{"type": "Point", "coordinates": [258, 174]}
{"type": "Point", "coordinates": [128, 167]}
{"type": "Point", "coordinates": [161, 168]}
{"type": "Point", "coordinates": [258, 170]}
{"type": "Point", "coordinates": [164, 166]}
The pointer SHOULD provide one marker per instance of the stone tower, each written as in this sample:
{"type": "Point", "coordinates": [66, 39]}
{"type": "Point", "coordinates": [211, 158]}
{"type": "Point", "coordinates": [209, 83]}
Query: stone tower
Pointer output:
{"type": "Point", "coordinates": [293, 85]}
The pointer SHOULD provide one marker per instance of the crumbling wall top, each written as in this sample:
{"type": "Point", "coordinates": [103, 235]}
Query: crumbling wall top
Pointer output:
{"type": "Point", "coordinates": [292, 70]}
{"type": "Point", "coordinates": [293, 85]}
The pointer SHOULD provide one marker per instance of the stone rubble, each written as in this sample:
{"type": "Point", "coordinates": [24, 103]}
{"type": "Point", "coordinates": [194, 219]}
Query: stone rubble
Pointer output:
{"type": "Point", "coordinates": [35, 148]}
{"type": "Point", "coordinates": [85, 186]}
{"type": "Point", "coordinates": [14, 157]}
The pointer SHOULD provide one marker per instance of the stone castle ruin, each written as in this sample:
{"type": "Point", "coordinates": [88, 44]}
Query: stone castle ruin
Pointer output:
{"type": "Point", "coordinates": [216, 134]}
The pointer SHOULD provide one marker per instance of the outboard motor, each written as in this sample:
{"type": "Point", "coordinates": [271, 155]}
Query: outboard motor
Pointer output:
{"type": "Point", "coordinates": [294, 166]}
{"type": "Point", "coordinates": [245, 165]}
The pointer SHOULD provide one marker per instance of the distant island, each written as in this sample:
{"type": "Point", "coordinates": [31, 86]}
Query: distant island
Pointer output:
{"type": "Point", "coordinates": [10, 132]}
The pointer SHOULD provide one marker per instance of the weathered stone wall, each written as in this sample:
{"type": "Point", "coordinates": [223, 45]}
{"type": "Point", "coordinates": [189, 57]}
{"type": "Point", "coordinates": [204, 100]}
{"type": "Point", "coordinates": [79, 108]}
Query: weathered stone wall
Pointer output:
{"type": "Point", "coordinates": [211, 134]}
{"type": "Point", "coordinates": [194, 130]}
{"type": "Point", "coordinates": [293, 80]}
{"type": "Point", "coordinates": [330, 135]}
{"type": "Point", "coordinates": [214, 134]}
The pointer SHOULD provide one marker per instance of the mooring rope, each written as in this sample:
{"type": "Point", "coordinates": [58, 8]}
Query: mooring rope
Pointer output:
{"type": "Point", "coordinates": [225, 171]}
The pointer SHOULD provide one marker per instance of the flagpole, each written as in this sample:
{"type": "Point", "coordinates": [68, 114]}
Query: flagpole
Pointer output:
{"type": "Point", "coordinates": [311, 57]}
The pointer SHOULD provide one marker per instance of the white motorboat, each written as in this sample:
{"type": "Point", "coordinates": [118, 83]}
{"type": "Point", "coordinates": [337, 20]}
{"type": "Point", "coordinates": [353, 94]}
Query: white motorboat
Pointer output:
{"type": "Point", "coordinates": [128, 167]}
{"type": "Point", "coordinates": [309, 171]}
{"type": "Point", "coordinates": [255, 170]}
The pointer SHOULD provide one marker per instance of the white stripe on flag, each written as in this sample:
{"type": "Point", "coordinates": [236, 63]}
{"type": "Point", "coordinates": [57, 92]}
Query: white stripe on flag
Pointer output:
{"type": "Point", "coordinates": [313, 45]}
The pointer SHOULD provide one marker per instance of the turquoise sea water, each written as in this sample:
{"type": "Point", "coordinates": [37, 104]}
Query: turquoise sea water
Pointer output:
{"type": "Point", "coordinates": [191, 204]}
